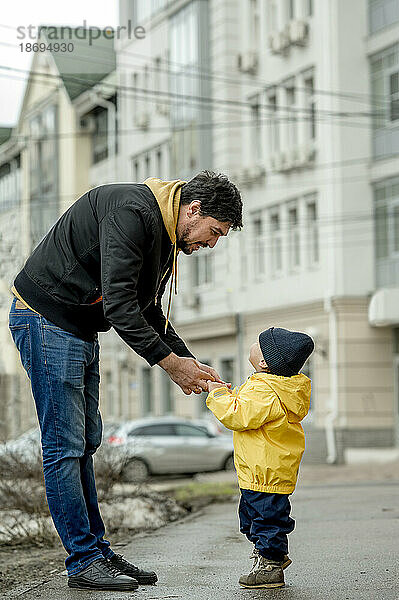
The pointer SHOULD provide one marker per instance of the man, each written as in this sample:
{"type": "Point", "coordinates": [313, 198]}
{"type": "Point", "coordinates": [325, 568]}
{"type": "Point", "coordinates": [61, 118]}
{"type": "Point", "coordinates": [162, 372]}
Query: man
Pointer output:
{"type": "Point", "coordinates": [105, 263]}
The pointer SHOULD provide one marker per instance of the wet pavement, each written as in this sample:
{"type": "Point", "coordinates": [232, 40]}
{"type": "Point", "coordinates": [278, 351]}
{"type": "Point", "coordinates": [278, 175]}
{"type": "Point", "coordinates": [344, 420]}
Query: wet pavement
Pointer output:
{"type": "Point", "coordinates": [345, 546]}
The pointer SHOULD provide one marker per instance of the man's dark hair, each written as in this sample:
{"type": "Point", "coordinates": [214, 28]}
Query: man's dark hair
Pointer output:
{"type": "Point", "coordinates": [219, 197]}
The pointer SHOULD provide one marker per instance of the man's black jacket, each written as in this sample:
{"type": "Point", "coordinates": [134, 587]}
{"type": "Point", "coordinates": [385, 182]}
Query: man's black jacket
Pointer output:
{"type": "Point", "coordinates": [112, 243]}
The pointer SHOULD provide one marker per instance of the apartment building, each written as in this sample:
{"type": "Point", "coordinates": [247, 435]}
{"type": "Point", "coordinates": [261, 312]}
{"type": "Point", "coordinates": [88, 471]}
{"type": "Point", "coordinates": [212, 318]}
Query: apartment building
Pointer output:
{"type": "Point", "coordinates": [298, 100]}
{"type": "Point", "coordinates": [383, 56]}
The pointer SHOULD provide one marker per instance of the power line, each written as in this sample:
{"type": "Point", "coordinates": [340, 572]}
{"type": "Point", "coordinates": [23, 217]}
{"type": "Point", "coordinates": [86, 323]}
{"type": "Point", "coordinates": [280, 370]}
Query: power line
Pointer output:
{"type": "Point", "coordinates": [307, 189]}
{"type": "Point", "coordinates": [193, 98]}
{"type": "Point", "coordinates": [200, 72]}
{"type": "Point", "coordinates": [255, 122]}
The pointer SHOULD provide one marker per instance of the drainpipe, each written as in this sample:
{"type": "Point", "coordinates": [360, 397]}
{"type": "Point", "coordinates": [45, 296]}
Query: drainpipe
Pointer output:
{"type": "Point", "coordinates": [329, 305]}
{"type": "Point", "coordinates": [111, 125]}
{"type": "Point", "coordinates": [240, 345]}
{"type": "Point", "coordinates": [332, 414]}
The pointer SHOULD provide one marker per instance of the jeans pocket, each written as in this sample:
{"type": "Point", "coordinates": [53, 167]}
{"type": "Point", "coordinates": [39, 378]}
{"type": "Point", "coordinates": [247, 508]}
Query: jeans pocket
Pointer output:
{"type": "Point", "coordinates": [21, 336]}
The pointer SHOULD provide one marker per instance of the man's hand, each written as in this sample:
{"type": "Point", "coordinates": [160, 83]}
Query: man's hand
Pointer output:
{"type": "Point", "coordinates": [189, 374]}
{"type": "Point", "coordinates": [214, 385]}
{"type": "Point", "coordinates": [214, 376]}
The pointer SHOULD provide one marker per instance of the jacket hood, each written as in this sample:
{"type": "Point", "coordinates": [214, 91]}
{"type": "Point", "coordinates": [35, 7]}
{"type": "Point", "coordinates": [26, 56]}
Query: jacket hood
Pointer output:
{"type": "Point", "coordinates": [293, 393]}
{"type": "Point", "coordinates": [167, 194]}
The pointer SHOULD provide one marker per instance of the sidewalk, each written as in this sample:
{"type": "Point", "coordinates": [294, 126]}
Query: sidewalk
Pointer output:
{"type": "Point", "coordinates": [345, 547]}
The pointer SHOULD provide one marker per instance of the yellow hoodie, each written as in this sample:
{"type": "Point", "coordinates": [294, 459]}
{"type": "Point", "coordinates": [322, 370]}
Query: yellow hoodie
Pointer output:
{"type": "Point", "coordinates": [265, 414]}
{"type": "Point", "coordinates": [167, 194]}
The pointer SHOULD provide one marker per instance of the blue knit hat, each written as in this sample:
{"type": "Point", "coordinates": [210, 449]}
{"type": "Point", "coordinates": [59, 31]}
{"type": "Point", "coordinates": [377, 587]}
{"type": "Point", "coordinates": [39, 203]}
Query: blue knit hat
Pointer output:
{"type": "Point", "coordinates": [284, 351]}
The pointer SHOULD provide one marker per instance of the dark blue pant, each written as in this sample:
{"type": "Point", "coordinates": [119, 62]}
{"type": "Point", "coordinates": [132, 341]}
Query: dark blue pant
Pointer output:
{"type": "Point", "coordinates": [265, 520]}
{"type": "Point", "coordinates": [64, 375]}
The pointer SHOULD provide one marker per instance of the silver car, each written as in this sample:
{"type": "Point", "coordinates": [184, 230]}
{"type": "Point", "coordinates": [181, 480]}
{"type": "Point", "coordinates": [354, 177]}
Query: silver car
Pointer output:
{"type": "Point", "coordinates": [169, 445]}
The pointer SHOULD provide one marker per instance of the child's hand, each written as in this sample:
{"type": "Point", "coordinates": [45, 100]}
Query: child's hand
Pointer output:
{"type": "Point", "coordinates": [213, 385]}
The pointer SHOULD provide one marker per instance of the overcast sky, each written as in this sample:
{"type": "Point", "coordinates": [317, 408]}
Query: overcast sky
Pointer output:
{"type": "Point", "coordinates": [17, 13]}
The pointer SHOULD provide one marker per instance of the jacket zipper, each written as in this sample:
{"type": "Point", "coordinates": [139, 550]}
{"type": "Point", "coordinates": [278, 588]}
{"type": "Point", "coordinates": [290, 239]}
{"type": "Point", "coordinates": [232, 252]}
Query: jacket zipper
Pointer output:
{"type": "Point", "coordinates": [161, 280]}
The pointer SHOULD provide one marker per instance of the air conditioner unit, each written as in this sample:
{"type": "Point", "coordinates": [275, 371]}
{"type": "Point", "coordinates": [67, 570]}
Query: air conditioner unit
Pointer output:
{"type": "Point", "coordinates": [297, 32]}
{"type": "Point", "coordinates": [87, 124]}
{"type": "Point", "coordinates": [292, 158]}
{"type": "Point", "coordinates": [278, 161]}
{"type": "Point", "coordinates": [278, 42]}
{"type": "Point", "coordinates": [256, 172]}
{"type": "Point", "coordinates": [306, 155]}
{"type": "Point", "coordinates": [142, 120]}
{"type": "Point", "coordinates": [247, 62]}
{"type": "Point", "coordinates": [191, 300]}
{"type": "Point", "coordinates": [244, 175]}
{"type": "Point", "coordinates": [310, 153]}
{"type": "Point", "coordinates": [162, 109]}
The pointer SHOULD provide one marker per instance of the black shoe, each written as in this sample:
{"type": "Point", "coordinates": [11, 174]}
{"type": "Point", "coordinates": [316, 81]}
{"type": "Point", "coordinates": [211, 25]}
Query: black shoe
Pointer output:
{"type": "Point", "coordinates": [125, 567]}
{"type": "Point", "coordinates": [102, 575]}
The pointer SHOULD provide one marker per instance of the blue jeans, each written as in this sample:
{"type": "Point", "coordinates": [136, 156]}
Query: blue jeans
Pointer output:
{"type": "Point", "coordinates": [265, 520]}
{"type": "Point", "coordinates": [64, 375]}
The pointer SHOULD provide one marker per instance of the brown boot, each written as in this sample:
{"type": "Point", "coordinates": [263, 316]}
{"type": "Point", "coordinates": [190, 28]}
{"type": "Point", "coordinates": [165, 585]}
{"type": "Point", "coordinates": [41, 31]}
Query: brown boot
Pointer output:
{"type": "Point", "coordinates": [286, 559]}
{"type": "Point", "coordinates": [265, 573]}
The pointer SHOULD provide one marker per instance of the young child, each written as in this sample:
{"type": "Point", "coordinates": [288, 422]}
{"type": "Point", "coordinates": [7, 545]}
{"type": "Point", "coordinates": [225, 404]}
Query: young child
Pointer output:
{"type": "Point", "coordinates": [265, 414]}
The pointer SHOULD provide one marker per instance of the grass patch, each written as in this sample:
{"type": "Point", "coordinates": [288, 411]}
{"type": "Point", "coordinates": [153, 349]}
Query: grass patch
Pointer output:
{"type": "Point", "coordinates": [205, 491]}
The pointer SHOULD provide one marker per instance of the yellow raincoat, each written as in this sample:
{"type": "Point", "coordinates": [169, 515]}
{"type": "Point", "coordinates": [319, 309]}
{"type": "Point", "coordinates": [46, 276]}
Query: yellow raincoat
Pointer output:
{"type": "Point", "coordinates": [265, 414]}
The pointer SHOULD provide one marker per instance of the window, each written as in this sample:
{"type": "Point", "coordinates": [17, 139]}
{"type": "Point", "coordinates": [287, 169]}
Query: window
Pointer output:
{"type": "Point", "coordinates": [276, 243]}
{"type": "Point", "coordinates": [10, 181]}
{"type": "Point", "coordinates": [100, 135]}
{"type": "Point", "coordinates": [135, 93]}
{"type": "Point", "coordinates": [291, 115]}
{"type": "Point", "coordinates": [202, 269]}
{"type": "Point", "coordinates": [381, 225]}
{"type": "Point", "coordinates": [254, 22]}
{"type": "Point", "coordinates": [259, 245]}
{"type": "Point", "coordinates": [227, 369]}
{"type": "Point", "coordinates": [256, 129]}
{"type": "Point", "coordinates": [167, 394]}
{"type": "Point", "coordinates": [184, 58]}
{"type": "Point", "coordinates": [153, 430]}
{"type": "Point", "coordinates": [136, 171]}
{"type": "Point", "coordinates": [294, 239]}
{"type": "Point", "coordinates": [109, 393]}
{"type": "Point", "coordinates": [291, 9]}
{"type": "Point", "coordinates": [157, 74]}
{"type": "Point", "coordinates": [386, 217]}
{"type": "Point", "coordinates": [310, 107]}
{"type": "Point", "coordinates": [152, 161]}
{"type": "Point", "coordinates": [312, 232]}
{"type": "Point", "coordinates": [43, 170]}
{"type": "Point", "coordinates": [394, 96]}
{"type": "Point", "coordinates": [147, 391]}
{"type": "Point", "coordinates": [147, 165]}
{"type": "Point", "coordinates": [201, 398]}
{"type": "Point", "coordinates": [145, 9]}
{"type": "Point", "coordinates": [274, 133]}
{"type": "Point", "coordinates": [308, 370]}
{"type": "Point", "coordinates": [385, 98]}
{"type": "Point", "coordinates": [382, 13]}
{"type": "Point", "coordinates": [271, 16]}
{"type": "Point", "coordinates": [189, 51]}
{"type": "Point", "coordinates": [189, 431]}
{"type": "Point", "coordinates": [159, 172]}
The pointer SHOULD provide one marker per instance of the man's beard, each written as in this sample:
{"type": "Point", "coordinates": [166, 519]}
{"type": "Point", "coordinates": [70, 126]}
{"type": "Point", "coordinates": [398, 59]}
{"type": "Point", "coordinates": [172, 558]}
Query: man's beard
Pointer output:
{"type": "Point", "coordinates": [183, 242]}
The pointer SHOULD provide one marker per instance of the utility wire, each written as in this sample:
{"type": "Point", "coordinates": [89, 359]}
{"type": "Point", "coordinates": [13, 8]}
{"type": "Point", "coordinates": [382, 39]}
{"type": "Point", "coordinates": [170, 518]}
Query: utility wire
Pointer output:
{"type": "Point", "coordinates": [193, 98]}
{"type": "Point", "coordinates": [202, 73]}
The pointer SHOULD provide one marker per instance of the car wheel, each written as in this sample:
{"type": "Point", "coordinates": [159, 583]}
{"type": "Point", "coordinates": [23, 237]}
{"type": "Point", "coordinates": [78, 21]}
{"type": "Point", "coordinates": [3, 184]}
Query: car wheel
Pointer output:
{"type": "Point", "coordinates": [136, 471]}
{"type": "Point", "coordinates": [229, 463]}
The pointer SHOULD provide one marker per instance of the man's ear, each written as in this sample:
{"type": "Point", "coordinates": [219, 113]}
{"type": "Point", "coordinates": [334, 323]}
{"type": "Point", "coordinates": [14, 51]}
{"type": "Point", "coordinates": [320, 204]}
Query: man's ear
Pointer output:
{"type": "Point", "coordinates": [263, 364]}
{"type": "Point", "coordinates": [194, 208]}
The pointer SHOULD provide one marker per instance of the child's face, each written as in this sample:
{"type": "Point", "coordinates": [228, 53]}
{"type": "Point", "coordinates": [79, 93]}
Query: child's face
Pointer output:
{"type": "Point", "coordinates": [256, 358]}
